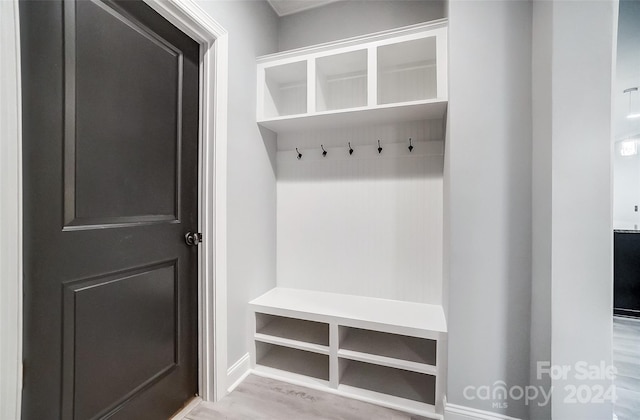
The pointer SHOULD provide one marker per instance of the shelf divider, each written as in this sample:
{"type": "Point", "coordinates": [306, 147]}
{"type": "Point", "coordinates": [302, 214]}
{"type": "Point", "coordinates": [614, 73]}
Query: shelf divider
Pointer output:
{"type": "Point", "coordinates": [372, 81]}
{"type": "Point", "coordinates": [311, 85]}
{"type": "Point", "coordinates": [387, 361]}
{"type": "Point", "coordinates": [294, 344]}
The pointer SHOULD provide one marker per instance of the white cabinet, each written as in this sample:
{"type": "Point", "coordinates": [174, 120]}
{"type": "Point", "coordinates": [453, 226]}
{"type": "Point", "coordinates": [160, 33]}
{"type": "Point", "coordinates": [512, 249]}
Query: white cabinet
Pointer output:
{"type": "Point", "coordinates": [398, 75]}
{"type": "Point", "coordinates": [381, 86]}
{"type": "Point", "coordinates": [378, 350]}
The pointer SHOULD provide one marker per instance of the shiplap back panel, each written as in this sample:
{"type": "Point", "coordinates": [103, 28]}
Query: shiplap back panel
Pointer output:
{"type": "Point", "coordinates": [365, 224]}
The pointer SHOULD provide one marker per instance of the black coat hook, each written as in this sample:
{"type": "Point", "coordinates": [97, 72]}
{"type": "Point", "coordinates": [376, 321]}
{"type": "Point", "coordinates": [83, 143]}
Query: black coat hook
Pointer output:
{"type": "Point", "coordinates": [350, 149]}
{"type": "Point", "coordinates": [410, 146]}
{"type": "Point", "coordinates": [324, 152]}
{"type": "Point", "coordinates": [379, 147]}
{"type": "Point", "coordinates": [299, 154]}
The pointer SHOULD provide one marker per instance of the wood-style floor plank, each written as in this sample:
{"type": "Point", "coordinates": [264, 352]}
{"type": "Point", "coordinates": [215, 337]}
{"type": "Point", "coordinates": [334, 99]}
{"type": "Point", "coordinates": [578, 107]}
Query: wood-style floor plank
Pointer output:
{"type": "Point", "coordinates": [258, 398]}
{"type": "Point", "coordinates": [626, 359]}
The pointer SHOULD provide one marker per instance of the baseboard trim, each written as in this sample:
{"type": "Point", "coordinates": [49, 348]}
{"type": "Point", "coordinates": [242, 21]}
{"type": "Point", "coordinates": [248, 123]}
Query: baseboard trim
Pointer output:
{"type": "Point", "coordinates": [460, 412]}
{"type": "Point", "coordinates": [239, 371]}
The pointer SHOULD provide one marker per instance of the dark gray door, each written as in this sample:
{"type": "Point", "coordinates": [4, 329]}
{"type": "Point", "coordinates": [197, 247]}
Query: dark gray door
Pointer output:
{"type": "Point", "coordinates": [110, 126]}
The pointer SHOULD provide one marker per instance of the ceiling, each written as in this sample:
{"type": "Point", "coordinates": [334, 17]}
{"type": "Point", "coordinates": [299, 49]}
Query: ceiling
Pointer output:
{"type": "Point", "coordinates": [289, 7]}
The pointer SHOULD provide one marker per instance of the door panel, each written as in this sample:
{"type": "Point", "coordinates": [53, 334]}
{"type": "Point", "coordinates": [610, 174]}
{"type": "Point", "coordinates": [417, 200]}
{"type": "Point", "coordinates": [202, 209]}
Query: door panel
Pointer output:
{"type": "Point", "coordinates": [116, 179]}
{"type": "Point", "coordinates": [110, 146]}
{"type": "Point", "coordinates": [123, 320]}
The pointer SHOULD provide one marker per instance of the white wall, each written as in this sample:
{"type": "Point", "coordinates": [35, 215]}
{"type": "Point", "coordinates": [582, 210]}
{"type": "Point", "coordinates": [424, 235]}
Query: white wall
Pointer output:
{"type": "Point", "coordinates": [626, 177]}
{"type": "Point", "coordinates": [368, 224]}
{"type": "Point", "coordinates": [489, 198]}
{"type": "Point", "coordinates": [346, 19]}
{"type": "Point", "coordinates": [251, 230]}
{"type": "Point", "coordinates": [582, 53]}
{"type": "Point", "coordinates": [362, 242]}
{"type": "Point", "coordinates": [626, 190]}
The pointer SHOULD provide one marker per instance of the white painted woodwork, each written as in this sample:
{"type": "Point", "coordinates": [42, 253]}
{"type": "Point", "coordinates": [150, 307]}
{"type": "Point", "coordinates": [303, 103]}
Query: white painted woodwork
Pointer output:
{"type": "Point", "coordinates": [412, 386]}
{"type": "Point", "coordinates": [390, 76]}
{"type": "Point", "coordinates": [390, 346]}
{"type": "Point", "coordinates": [383, 350]}
{"type": "Point", "coordinates": [390, 401]}
{"type": "Point", "coordinates": [294, 344]}
{"type": "Point", "coordinates": [368, 224]}
{"type": "Point", "coordinates": [407, 71]}
{"type": "Point", "coordinates": [341, 81]}
{"type": "Point", "coordinates": [305, 363]}
{"type": "Point", "coordinates": [238, 372]}
{"type": "Point", "coordinates": [408, 318]}
{"type": "Point", "coordinates": [285, 89]}
{"type": "Point", "coordinates": [387, 361]}
{"type": "Point", "coordinates": [358, 309]}
{"type": "Point", "coordinates": [428, 132]}
{"type": "Point", "coordinates": [293, 328]}
{"type": "Point", "coordinates": [428, 109]}
{"type": "Point", "coordinates": [10, 213]}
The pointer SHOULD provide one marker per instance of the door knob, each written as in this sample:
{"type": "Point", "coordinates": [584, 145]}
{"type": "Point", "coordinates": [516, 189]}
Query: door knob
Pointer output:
{"type": "Point", "coordinates": [193, 238]}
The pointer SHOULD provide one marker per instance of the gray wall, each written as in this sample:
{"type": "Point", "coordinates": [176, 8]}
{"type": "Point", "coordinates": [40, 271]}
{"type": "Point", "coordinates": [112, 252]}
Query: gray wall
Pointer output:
{"type": "Point", "coordinates": [581, 55]}
{"type": "Point", "coordinates": [352, 18]}
{"type": "Point", "coordinates": [251, 228]}
{"type": "Point", "coordinates": [542, 212]}
{"type": "Point", "coordinates": [489, 198]}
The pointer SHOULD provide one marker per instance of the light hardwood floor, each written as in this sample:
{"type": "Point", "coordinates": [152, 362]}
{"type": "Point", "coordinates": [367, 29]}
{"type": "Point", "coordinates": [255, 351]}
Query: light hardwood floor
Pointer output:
{"type": "Point", "coordinates": [626, 359]}
{"type": "Point", "coordinates": [258, 398]}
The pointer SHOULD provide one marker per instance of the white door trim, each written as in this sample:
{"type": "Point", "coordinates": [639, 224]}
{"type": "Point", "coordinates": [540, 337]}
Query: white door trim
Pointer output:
{"type": "Point", "coordinates": [10, 213]}
{"type": "Point", "coordinates": [190, 18]}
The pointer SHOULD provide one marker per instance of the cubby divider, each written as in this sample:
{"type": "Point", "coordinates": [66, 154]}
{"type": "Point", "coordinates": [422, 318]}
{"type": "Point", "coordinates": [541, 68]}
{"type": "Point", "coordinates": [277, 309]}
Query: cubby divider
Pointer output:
{"type": "Point", "coordinates": [384, 351]}
{"type": "Point", "coordinates": [378, 78]}
{"type": "Point", "coordinates": [296, 361]}
{"type": "Point", "coordinates": [407, 71]}
{"type": "Point", "coordinates": [400, 383]}
{"type": "Point", "coordinates": [341, 81]}
{"type": "Point", "coordinates": [395, 346]}
{"type": "Point", "coordinates": [293, 329]}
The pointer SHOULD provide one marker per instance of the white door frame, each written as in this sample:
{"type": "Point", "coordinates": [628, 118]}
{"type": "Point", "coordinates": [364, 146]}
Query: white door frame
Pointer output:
{"type": "Point", "coordinates": [212, 292]}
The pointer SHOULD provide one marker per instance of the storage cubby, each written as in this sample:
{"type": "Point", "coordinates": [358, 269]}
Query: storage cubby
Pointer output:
{"type": "Point", "coordinates": [407, 71]}
{"type": "Point", "coordinates": [341, 81]}
{"type": "Point", "coordinates": [293, 329]}
{"type": "Point", "coordinates": [386, 77]}
{"type": "Point", "coordinates": [379, 350]}
{"type": "Point", "coordinates": [285, 89]}
{"type": "Point", "coordinates": [387, 345]}
{"type": "Point", "coordinates": [296, 361]}
{"type": "Point", "coordinates": [400, 383]}
{"type": "Point", "coordinates": [343, 317]}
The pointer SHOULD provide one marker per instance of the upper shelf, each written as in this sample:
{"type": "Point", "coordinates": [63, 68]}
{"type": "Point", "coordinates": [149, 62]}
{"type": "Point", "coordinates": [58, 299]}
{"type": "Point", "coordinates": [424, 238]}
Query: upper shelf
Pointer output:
{"type": "Point", "coordinates": [391, 76]}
